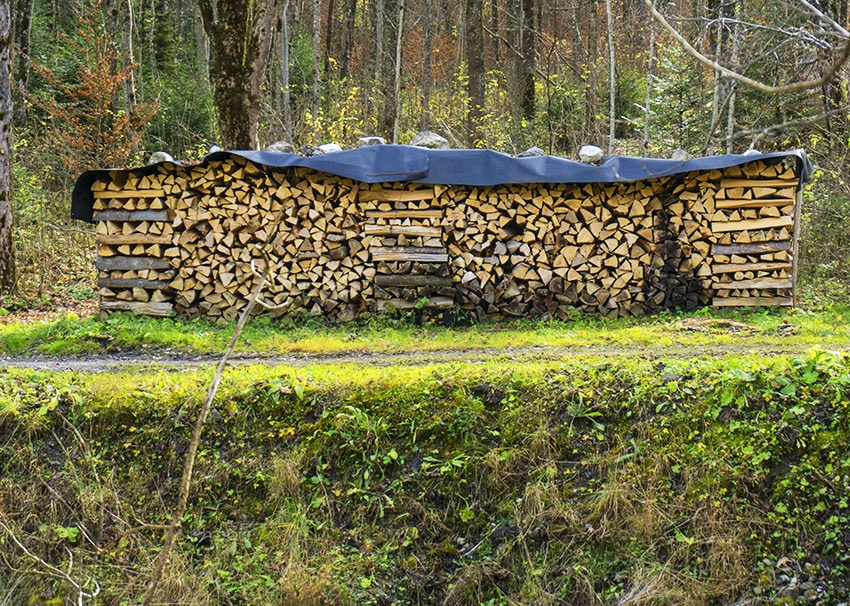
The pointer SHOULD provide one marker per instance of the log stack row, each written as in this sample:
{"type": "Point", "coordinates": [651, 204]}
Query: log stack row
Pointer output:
{"type": "Point", "coordinates": [132, 234]}
{"type": "Point", "coordinates": [194, 239]}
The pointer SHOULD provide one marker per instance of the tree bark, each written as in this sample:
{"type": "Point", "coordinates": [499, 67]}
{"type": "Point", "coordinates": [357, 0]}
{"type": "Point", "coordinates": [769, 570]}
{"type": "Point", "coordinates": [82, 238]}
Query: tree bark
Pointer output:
{"type": "Point", "coordinates": [612, 79]}
{"type": "Point", "coordinates": [284, 73]}
{"type": "Point", "coordinates": [240, 35]}
{"type": "Point", "coordinates": [475, 71]}
{"type": "Point", "coordinates": [528, 59]}
{"type": "Point", "coordinates": [428, 47]}
{"type": "Point", "coordinates": [650, 82]}
{"type": "Point", "coordinates": [590, 129]}
{"type": "Point", "coordinates": [317, 74]}
{"type": "Point", "coordinates": [7, 256]}
{"type": "Point", "coordinates": [347, 38]}
{"type": "Point", "coordinates": [397, 71]}
{"type": "Point", "coordinates": [23, 27]}
{"type": "Point", "coordinates": [202, 47]}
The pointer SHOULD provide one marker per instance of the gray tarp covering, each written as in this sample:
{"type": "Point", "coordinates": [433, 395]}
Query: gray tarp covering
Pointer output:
{"type": "Point", "coordinates": [389, 163]}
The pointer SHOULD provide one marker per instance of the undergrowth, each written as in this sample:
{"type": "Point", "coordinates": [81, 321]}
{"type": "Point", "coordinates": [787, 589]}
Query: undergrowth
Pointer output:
{"type": "Point", "coordinates": [590, 481]}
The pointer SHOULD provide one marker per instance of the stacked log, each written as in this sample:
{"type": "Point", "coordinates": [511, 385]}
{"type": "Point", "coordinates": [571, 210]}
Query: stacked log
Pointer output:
{"type": "Point", "coordinates": [132, 234]}
{"type": "Point", "coordinates": [407, 248]}
{"type": "Point", "coordinates": [756, 220]}
{"type": "Point", "coordinates": [543, 250]}
{"type": "Point", "coordinates": [297, 226]}
{"type": "Point", "coordinates": [198, 236]}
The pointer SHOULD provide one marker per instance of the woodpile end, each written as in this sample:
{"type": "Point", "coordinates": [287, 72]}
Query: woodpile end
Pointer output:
{"type": "Point", "coordinates": [183, 239]}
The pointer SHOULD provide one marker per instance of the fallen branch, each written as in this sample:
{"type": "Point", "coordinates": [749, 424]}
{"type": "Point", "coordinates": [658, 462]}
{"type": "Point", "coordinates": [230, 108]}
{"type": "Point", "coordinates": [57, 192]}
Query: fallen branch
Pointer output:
{"type": "Point", "coordinates": [53, 571]}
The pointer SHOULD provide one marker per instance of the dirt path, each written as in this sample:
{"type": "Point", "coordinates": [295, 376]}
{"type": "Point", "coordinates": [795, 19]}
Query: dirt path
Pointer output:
{"type": "Point", "coordinates": [126, 361]}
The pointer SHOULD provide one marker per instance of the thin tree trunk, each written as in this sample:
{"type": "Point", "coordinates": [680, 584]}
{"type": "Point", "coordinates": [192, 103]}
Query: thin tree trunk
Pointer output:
{"type": "Point", "coordinates": [329, 32]}
{"type": "Point", "coordinates": [516, 81]}
{"type": "Point", "coordinates": [378, 26]}
{"type": "Point", "coordinates": [397, 73]}
{"type": "Point", "coordinates": [650, 77]}
{"type": "Point", "coordinates": [349, 17]}
{"type": "Point", "coordinates": [23, 27]}
{"type": "Point", "coordinates": [284, 76]}
{"type": "Point", "coordinates": [717, 100]}
{"type": "Point", "coordinates": [127, 58]}
{"type": "Point", "coordinates": [494, 27]}
{"type": "Point", "coordinates": [528, 59]}
{"type": "Point", "coordinates": [475, 71]}
{"type": "Point", "coordinates": [612, 80]}
{"type": "Point", "coordinates": [7, 256]}
{"type": "Point", "coordinates": [202, 47]}
{"type": "Point", "coordinates": [317, 41]}
{"type": "Point", "coordinates": [590, 73]}
{"type": "Point", "coordinates": [425, 115]}
{"type": "Point", "coordinates": [733, 86]}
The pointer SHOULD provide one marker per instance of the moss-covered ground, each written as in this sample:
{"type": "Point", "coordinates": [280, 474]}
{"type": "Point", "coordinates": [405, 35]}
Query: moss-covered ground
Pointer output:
{"type": "Point", "coordinates": [616, 480]}
{"type": "Point", "coordinates": [773, 328]}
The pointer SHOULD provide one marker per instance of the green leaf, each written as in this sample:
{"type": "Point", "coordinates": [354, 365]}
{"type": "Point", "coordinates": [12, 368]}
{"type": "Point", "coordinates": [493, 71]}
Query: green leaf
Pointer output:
{"type": "Point", "coordinates": [682, 538]}
{"type": "Point", "coordinates": [810, 377]}
{"type": "Point", "coordinates": [788, 390]}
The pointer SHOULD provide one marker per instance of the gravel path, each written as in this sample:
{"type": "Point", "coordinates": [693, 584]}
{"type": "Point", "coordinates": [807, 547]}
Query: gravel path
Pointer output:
{"type": "Point", "coordinates": [127, 361]}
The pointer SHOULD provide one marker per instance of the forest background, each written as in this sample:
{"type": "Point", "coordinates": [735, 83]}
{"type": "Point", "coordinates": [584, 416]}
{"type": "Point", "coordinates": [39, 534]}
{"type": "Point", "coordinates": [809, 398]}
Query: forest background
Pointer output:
{"type": "Point", "coordinates": [104, 83]}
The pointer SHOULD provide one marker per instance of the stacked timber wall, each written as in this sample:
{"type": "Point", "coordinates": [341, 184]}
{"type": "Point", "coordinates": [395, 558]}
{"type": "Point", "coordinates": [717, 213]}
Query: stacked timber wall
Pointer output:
{"type": "Point", "coordinates": [183, 239]}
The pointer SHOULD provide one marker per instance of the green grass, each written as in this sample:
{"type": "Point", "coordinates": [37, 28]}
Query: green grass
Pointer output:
{"type": "Point", "coordinates": [591, 480]}
{"type": "Point", "coordinates": [826, 327]}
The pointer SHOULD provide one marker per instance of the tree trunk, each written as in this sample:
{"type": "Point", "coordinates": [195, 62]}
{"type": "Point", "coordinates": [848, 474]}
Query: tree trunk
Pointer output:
{"type": "Point", "coordinates": [119, 25]}
{"type": "Point", "coordinates": [528, 59]}
{"type": "Point", "coordinates": [385, 79]}
{"type": "Point", "coordinates": [650, 77]}
{"type": "Point", "coordinates": [494, 27]}
{"type": "Point", "coordinates": [7, 256]}
{"type": "Point", "coordinates": [397, 72]}
{"type": "Point", "coordinates": [317, 74]}
{"type": "Point", "coordinates": [428, 47]}
{"type": "Point", "coordinates": [329, 32]}
{"type": "Point", "coordinates": [284, 75]}
{"type": "Point", "coordinates": [240, 36]}
{"type": "Point", "coordinates": [590, 129]}
{"type": "Point", "coordinates": [612, 80]}
{"type": "Point", "coordinates": [202, 47]}
{"type": "Point", "coordinates": [475, 71]}
{"type": "Point", "coordinates": [23, 27]}
{"type": "Point", "coordinates": [733, 86]}
{"type": "Point", "coordinates": [347, 38]}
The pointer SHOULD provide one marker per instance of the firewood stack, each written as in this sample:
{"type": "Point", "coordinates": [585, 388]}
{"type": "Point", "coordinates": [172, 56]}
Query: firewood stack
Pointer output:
{"type": "Point", "coordinates": [194, 239]}
{"type": "Point", "coordinates": [133, 232]}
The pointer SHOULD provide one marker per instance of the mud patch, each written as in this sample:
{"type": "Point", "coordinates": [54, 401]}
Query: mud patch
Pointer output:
{"type": "Point", "coordinates": [714, 326]}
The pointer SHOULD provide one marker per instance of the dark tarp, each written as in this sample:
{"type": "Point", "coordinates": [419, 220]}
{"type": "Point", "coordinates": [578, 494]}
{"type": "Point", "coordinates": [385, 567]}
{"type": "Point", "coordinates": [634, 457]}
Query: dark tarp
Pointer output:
{"type": "Point", "coordinates": [389, 163]}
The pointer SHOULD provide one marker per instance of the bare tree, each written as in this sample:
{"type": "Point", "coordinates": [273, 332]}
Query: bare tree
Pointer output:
{"type": "Point", "coordinates": [835, 30]}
